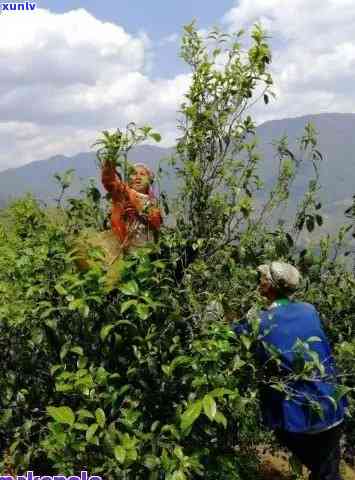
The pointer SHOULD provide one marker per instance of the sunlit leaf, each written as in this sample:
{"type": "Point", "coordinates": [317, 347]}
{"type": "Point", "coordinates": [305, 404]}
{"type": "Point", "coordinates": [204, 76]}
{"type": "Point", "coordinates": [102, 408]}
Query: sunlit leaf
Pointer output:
{"type": "Point", "coordinates": [130, 288]}
{"type": "Point", "coordinates": [209, 406]}
{"type": "Point", "coordinates": [63, 415]}
{"type": "Point", "coordinates": [191, 414]}
{"type": "Point", "coordinates": [120, 453]}
{"type": "Point", "coordinates": [100, 417]}
{"type": "Point", "coordinates": [91, 432]}
{"type": "Point", "coordinates": [105, 331]}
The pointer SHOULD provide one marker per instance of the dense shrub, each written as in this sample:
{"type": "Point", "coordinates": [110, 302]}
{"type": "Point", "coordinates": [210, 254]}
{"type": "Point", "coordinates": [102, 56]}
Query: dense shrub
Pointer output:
{"type": "Point", "coordinates": [148, 380]}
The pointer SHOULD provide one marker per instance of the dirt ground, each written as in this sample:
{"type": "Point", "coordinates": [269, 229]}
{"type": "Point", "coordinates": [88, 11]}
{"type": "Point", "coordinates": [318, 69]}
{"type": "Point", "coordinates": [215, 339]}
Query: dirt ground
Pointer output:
{"type": "Point", "coordinates": [276, 467]}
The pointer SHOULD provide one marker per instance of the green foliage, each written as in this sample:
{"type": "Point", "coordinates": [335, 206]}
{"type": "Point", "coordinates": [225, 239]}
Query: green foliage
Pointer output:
{"type": "Point", "coordinates": [64, 182]}
{"type": "Point", "coordinates": [148, 381]}
{"type": "Point", "coordinates": [114, 147]}
{"type": "Point", "coordinates": [217, 149]}
{"type": "Point", "coordinates": [103, 381]}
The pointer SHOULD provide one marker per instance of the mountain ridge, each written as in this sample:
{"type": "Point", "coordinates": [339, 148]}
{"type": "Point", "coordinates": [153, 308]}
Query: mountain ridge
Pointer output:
{"type": "Point", "coordinates": [337, 173]}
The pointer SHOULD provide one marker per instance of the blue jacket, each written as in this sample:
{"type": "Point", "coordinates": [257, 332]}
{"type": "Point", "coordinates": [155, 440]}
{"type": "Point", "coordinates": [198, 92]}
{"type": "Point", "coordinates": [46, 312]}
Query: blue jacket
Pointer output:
{"type": "Point", "coordinates": [281, 327]}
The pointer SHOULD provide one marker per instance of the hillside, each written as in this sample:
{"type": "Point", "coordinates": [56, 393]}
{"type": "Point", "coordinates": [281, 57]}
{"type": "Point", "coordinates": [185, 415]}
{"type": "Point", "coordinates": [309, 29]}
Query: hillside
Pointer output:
{"type": "Point", "coordinates": [37, 177]}
{"type": "Point", "coordinates": [336, 142]}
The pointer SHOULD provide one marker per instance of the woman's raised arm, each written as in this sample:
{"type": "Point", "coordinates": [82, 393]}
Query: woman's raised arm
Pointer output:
{"type": "Point", "coordinates": [111, 181]}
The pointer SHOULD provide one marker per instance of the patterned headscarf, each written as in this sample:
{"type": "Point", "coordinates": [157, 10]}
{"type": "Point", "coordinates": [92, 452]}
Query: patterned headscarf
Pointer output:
{"type": "Point", "coordinates": [149, 171]}
{"type": "Point", "coordinates": [151, 174]}
{"type": "Point", "coordinates": [282, 276]}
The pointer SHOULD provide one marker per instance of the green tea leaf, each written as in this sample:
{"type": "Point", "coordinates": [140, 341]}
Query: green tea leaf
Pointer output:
{"type": "Point", "coordinates": [84, 413]}
{"type": "Point", "coordinates": [191, 414]}
{"type": "Point", "coordinates": [341, 391]}
{"type": "Point", "coordinates": [155, 136]}
{"type": "Point", "coordinates": [120, 453]}
{"type": "Point", "coordinates": [100, 417]}
{"type": "Point", "coordinates": [151, 461]}
{"type": "Point", "coordinates": [128, 304]}
{"type": "Point", "coordinates": [220, 418]}
{"type": "Point", "coordinates": [78, 350]}
{"type": "Point", "coordinates": [313, 339]}
{"type": "Point", "coordinates": [63, 415]}
{"type": "Point", "coordinates": [105, 331]}
{"type": "Point", "coordinates": [143, 311]}
{"type": "Point", "coordinates": [81, 426]}
{"type": "Point", "coordinates": [209, 406]}
{"type": "Point", "coordinates": [130, 288]}
{"type": "Point", "coordinates": [246, 341]}
{"type": "Point", "coordinates": [91, 432]}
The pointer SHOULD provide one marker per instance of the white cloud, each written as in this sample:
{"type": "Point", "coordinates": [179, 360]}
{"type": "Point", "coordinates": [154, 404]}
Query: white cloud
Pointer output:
{"type": "Point", "coordinates": [23, 142]}
{"type": "Point", "coordinates": [65, 77]}
{"type": "Point", "coordinates": [313, 52]}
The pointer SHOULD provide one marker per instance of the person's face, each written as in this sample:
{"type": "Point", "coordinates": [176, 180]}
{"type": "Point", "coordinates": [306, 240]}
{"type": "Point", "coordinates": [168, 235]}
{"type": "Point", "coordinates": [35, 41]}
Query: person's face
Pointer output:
{"type": "Point", "coordinates": [140, 180]}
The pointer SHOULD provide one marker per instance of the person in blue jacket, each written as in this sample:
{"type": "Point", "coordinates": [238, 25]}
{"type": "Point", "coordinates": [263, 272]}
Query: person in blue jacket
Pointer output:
{"type": "Point", "coordinates": [304, 408]}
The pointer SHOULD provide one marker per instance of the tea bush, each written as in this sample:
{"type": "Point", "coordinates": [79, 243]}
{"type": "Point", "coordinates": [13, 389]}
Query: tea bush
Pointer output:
{"type": "Point", "coordinates": [148, 380]}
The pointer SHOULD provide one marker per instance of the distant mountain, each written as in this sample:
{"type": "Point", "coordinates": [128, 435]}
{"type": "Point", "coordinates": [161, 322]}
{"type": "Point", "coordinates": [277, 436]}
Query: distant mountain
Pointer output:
{"type": "Point", "coordinates": [336, 142]}
{"type": "Point", "coordinates": [336, 136]}
{"type": "Point", "coordinates": [38, 177]}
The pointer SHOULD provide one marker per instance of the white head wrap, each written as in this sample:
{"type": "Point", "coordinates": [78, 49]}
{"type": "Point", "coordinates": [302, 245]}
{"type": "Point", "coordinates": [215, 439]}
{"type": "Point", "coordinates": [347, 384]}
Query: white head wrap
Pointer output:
{"type": "Point", "coordinates": [143, 165]}
{"type": "Point", "coordinates": [281, 275]}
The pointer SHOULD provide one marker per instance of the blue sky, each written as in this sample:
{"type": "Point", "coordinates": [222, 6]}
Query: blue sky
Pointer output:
{"type": "Point", "coordinates": [71, 68]}
{"type": "Point", "coordinates": [158, 18]}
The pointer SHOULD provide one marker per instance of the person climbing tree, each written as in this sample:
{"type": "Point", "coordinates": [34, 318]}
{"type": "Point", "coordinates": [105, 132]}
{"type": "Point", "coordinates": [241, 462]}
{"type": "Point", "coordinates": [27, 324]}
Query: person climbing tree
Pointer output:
{"type": "Point", "coordinates": [304, 406]}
